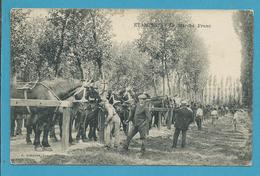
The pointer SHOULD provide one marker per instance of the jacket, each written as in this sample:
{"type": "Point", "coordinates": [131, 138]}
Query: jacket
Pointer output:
{"type": "Point", "coordinates": [184, 117]}
{"type": "Point", "coordinates": [140, 115]}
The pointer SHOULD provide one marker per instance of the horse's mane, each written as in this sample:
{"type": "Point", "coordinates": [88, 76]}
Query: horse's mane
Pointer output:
{"type": "Point", "coordinates": [62, 87]}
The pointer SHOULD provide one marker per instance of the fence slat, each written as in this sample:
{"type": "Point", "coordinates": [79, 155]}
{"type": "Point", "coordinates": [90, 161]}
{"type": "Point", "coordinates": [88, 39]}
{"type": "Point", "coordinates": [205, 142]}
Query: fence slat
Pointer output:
{"type": "Point", "coordinates": [40, 103]}
{"type": "Point", "coordinates": [65, 128]}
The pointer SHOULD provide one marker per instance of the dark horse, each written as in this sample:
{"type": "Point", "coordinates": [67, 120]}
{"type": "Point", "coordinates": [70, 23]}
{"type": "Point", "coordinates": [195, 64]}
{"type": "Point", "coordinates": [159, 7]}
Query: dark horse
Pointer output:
{"type": "Point", "coordinates": [123, 103]}
{"type": "Point", "coordinates": [87, 112]}
{"type": "Point", "coordinates": [42, 117]}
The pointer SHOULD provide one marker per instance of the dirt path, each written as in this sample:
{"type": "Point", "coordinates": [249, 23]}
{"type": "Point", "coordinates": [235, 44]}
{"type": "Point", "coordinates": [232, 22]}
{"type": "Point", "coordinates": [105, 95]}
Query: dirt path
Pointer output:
{"type": "Point", "coordinates": [211, 146]}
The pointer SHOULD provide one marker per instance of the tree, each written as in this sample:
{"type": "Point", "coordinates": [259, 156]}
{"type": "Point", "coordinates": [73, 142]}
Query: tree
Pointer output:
{"type": "Point", "coordinates": [195, 66]}
{"type": "Point", "coordinates": [222, 90]}
{"type": "Point", "coordinates": [156, 40]}
{"type": "Point", "coordinates": [243, 24]}
{"type": "Point", "coordinates": [214, 88]}
{"type": "Point", "coordinates": [128, 69]}
{"type": "Point", "coordinates": [76, 38]}
{"type": "Point", "coordinates": [174, 46]}
{"type": "Point", "coordinates": [19, 41]}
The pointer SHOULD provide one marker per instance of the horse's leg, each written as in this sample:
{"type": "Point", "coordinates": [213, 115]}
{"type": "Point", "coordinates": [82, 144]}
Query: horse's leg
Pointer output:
{"type": "Point", "coordinates": [45, 142]}
{"type": "Point", "coordinates": [36, 143]}
{"type": "Point", "coordinates": [90, 121]}
{"type": "Point", "coordinates": [28, 125]}
{"type": "Point", "coordinates": [70, 130]}
{"type": "Point", "coordinates": [90, 133]}
{"type": "Point", "coordinates": [19, 124]}
{"type": "Point", "coordinates": [78, 118]}
{"type": "Point", "coordinates": [84, 137]}
{"type": "Point", "coordinates": [156, 119]}
{"type": "Point", "coordinates": [53, 133]}
{"type": "Point", "coordinates": [94, 127]}
{"type": "Point", "coordinates": [52, 128]}
{"type": "Point", "coordinates": [76, 123]}
{"type": "Point", "coordinates": [87, 124]}
{"type": "Point", "coordinates": [12, 123]}
{"type": "Point", "coordinates": [121, 115]}
{"type": "Point", "coordinates": [60, 125]}
{"type": "Point", "coordinates": [94, 132]}
{"type": "Point", "coordinates": [28, 133]}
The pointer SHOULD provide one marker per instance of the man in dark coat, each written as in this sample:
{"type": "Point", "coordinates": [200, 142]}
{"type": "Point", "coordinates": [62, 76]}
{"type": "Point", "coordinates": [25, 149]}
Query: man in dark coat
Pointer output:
{"type": "Point", "coordinates": [184, 118]}
{"type": "Point", "coordinates": [141, 118]}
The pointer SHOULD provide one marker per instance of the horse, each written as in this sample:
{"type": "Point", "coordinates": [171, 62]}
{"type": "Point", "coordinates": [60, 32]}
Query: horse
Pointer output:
{"type": "Point", "coordinates": [42, 117]}
{"type": "Point", "coordinates": [123, 104]}
{"type": "Point", "coordinates": [84, 113]}
{"type": "Point", "coordinates": [87, 112]}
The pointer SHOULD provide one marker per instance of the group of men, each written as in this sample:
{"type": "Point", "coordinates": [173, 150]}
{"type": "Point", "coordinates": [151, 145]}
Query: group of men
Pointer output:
{"type": "Point", "coordinates": [141, 116]}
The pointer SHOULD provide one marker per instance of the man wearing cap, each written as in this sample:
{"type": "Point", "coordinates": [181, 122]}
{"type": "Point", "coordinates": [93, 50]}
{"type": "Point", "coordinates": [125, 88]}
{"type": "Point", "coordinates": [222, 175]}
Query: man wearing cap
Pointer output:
{"type": "Point", "coordinates": [184, 117]}
{"type": "Point", "coordinates": [141, 118]}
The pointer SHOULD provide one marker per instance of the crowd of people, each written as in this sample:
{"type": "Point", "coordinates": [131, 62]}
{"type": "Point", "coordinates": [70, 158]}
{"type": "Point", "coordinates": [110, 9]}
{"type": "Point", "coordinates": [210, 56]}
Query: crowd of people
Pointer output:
{"type": "Point", "coordinates": [182, 115]}
{"type": "Point", "coordinates": [126, 107]}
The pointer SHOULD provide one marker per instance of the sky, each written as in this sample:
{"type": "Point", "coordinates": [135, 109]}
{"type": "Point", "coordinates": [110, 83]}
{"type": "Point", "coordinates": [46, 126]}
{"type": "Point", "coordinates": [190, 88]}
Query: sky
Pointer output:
{"type": "Point", "coordinates": [222, 42]}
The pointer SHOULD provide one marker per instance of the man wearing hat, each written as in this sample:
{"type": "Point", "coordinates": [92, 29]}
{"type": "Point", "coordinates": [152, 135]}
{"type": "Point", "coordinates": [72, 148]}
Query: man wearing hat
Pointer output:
{"type": "Point", "coordinates": [183, 119]}
{"type": "Point", "coordinates": [141, 118]}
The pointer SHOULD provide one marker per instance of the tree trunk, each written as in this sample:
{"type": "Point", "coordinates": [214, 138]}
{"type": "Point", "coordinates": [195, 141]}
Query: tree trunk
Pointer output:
{"type": "Point", "coordinates": [154, 85]}
{"type": "Point", "coordinates": [179, 84]}
{"type": "Point", "coordinates": [163, 77]}
{"type": "Point", "coordinates": [168, 80]}
{"type": "Point", "coordinates": [81, 71]}
{"type": "Point", "coordinates": [99, 53]}
{"type": "Point", "coordinates": [59, 52]}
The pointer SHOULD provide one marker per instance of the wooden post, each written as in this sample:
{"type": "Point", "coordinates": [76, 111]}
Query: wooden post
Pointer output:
{"type": "Point", "coordinates": [169, 119]}
{"type": "Point", "coordinates": [65, 128]}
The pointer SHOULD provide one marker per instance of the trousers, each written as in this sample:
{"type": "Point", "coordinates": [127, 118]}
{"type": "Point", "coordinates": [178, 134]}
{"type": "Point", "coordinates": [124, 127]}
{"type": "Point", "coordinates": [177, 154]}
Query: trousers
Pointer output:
{"type": "Point", "coordinates": [176, 136]}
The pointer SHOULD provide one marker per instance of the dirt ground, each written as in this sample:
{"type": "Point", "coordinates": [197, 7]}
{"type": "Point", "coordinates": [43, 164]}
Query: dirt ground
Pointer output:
{"type": "Point", "coordinates": [219, 146]}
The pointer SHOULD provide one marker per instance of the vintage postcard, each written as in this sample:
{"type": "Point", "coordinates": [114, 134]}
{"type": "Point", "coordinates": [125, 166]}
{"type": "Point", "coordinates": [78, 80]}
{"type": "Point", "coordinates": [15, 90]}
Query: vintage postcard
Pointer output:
{"type": "Point", "coordinates": [131, 87]}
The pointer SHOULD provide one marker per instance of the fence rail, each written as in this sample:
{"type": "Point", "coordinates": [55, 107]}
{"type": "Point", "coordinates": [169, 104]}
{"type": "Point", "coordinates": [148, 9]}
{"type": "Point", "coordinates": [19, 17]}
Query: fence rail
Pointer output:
{"type": "Point", "coordinates": [40, 103]}
{"type": "Point", "coordinates": [50, 103]}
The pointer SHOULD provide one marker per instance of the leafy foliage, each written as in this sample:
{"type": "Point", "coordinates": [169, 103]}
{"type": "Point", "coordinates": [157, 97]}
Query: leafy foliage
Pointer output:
{"type": "Point", "coordinates": [243, 23]}
{"type": "Point", "coordinates": [177, 48]}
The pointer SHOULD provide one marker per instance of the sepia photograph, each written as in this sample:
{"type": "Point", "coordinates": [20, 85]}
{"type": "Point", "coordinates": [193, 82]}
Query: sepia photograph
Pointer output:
{"type": "Point", "coordinates": [131, 87]}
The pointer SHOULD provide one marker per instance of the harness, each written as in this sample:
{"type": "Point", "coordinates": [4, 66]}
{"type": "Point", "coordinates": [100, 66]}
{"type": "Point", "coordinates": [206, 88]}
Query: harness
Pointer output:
{"type": "Point", "coordinates": [49, 89]}
{"type": "Point", "coordinates": [25, 88]}
{"type": "Point", "coordinates": [30, 86]}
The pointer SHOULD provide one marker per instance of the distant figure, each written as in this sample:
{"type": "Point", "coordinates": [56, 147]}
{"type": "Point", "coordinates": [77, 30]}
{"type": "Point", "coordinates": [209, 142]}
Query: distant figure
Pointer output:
{"type": "Point", "coordinates": [194, 109]}
{"type": "Point", "coordinates": [199, 117]}
{"type": "Point", "coordinates": [141, 118]}
{"type": "Point", "coordinates": [183, 120]}
{"type": "Point", "coordinates": [112, 126]}
{"type": "Point", "coordinates": [214, 116]}
{"type": "Point", "coordinates": [226, 110]}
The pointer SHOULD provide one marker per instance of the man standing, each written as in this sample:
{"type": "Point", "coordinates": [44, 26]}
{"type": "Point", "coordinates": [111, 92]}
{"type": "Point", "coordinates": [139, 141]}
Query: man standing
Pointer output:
{"type": "Point", "coordinates": [141, 118]}
{"type": "Point", "coordinates": [199, 117]}
{"type": "Point", "coordinates": [214, 116]}
{"type": "Point", "coordinates": [184, 118]}
{"type": "Point", "coordinates": [112, 125]}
